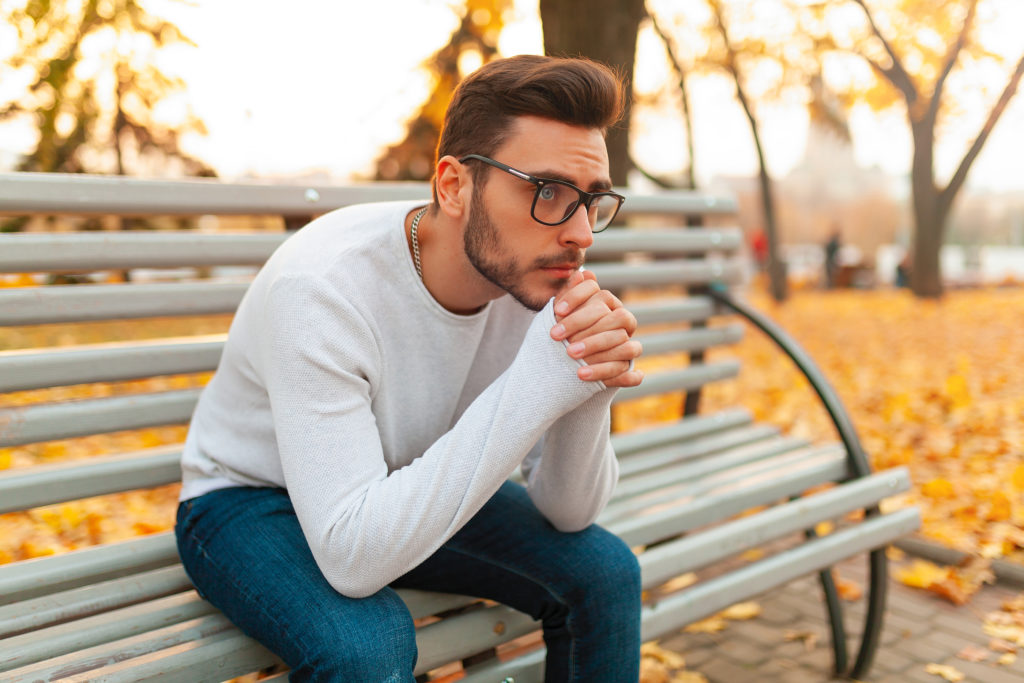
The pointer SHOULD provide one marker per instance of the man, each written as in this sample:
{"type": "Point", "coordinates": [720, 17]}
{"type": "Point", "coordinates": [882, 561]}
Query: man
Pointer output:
{"type": "Point", "coordinates": [388, 370]}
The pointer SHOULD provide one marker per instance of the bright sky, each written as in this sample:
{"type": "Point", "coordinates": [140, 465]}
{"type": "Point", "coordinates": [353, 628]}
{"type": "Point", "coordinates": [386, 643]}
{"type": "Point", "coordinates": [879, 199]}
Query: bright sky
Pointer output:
{"type": "Point", "coordinates": [315, 87]}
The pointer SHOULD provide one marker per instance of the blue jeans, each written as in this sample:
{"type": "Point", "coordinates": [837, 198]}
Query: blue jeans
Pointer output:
{"type": "Point", "coordinates": [245, 553]}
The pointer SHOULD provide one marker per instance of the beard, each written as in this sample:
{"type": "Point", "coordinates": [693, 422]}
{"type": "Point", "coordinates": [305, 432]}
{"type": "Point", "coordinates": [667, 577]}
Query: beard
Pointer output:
{"type": "Point", "coordinates": [485, 250]}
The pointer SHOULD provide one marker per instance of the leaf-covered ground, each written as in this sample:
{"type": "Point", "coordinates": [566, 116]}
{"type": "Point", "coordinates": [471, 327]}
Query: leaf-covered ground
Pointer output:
{"type": "Point", "coordinates": [937, 386]}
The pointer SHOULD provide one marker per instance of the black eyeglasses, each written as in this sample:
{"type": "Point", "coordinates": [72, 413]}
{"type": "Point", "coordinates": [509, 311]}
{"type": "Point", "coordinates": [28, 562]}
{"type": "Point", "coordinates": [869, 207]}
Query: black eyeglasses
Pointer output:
{"type": "Point", "coordinates": [555, 201]}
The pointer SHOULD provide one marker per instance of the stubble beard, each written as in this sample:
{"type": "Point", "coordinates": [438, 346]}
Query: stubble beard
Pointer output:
{"type": "Point", "coordinates": [485, 251]}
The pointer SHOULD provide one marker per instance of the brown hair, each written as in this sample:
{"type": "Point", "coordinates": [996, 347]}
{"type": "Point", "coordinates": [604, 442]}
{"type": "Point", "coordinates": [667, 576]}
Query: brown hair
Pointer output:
{"type": "Point", "coordinates": [579, 92]}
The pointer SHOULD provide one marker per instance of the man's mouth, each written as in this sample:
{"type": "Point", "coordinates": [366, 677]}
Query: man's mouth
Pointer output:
{"type": "Point", "coordinates": [561, 270]}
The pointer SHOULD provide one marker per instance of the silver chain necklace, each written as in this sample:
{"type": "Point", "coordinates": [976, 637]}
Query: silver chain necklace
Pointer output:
{"type": "Point", "coordinates": [416, 240]}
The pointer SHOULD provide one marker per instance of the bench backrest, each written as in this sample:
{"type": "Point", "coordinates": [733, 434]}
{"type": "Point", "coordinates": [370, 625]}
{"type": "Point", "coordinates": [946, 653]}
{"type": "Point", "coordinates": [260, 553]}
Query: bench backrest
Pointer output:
{"type": "Point", "coordinates": [63, 383]}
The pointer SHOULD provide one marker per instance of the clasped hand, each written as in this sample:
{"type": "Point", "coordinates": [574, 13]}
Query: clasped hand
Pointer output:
{"type": "Point", "coordinates": [599, 330]}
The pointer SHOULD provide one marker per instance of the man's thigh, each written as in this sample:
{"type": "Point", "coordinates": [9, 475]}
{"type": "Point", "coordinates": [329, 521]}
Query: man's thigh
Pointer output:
{"type": "Point", "coordinates": [245, 552]}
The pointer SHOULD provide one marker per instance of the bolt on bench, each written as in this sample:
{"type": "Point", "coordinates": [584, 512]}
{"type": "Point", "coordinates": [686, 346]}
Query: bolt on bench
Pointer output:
{"type": "Point", "coordinates": [126, 611]}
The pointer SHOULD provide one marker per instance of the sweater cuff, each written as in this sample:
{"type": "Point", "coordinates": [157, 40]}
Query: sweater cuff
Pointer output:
{"type": "Point", "coordinates": [548, 315]}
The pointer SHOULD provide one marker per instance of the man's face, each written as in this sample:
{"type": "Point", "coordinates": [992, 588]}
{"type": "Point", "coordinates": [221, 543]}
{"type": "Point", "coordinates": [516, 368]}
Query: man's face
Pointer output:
{"type": "Point", "coordinates": [527, 259]}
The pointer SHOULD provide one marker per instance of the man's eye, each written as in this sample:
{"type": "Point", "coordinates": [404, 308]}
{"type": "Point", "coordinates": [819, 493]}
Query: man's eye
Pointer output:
{"type": "Point", "coordinates": [547, 193]}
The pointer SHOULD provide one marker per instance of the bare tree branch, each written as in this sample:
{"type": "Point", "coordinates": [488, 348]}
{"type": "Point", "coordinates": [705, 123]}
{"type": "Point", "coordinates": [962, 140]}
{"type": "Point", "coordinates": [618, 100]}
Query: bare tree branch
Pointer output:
{"type": "Point", "coordinates": [951, 57]}
{"type": "Point", "coordinates": [677, 66]}
{"type": "Point", "coordinates": [895, 74]}
{"type": "Point", "coordinates": [947, 195]}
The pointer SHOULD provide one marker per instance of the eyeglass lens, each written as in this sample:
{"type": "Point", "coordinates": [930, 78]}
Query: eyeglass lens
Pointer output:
{"type": "Point", "coordinates": [555, 202]}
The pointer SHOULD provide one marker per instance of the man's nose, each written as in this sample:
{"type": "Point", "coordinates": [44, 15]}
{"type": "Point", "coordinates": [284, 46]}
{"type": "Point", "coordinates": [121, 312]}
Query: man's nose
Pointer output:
{"type": "Point", "coordinates": [577, 230]}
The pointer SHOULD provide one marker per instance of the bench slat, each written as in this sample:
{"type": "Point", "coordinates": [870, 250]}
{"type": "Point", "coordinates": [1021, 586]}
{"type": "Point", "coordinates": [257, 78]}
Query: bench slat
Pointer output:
{"type": "Point", "coordinates": [707, 598]}
{"type": "Point", "coordinates": [218, 657]}
{"type": "Point", "coordinates": [684, 379]}
{"type": "Point", "coordinates": [41, 576]}
{"type": "Point", "coordinates": [22, 370]}
{"type": "Point", "coordinates": [635, 492]}
{"type": "Point", "coordinates": [51, 421]}
{"type": "Point", "coordinates": [635, 468]}
{"type": "Point", "coordinates": [666, 273]}
{"type": "Point", "coordinates": [98, 630]}
{"type": "Point", "coordinates": [707, 502]}
{"type": "Point", "coordinates": [49, 484]}
{"type": "Point", "coordinates": [688, 427]}
{"type": "Point", "coordinates": [615, 242]}
{"type": "Point", "coordinates": [73, 193]}
{"type": "Point", "coordinates": [80, 303]}
{"type": "Point", "coordinates": [663, 562]}
{"type": "Point", "coordinates": [696, 339]}
{"type": "Point", "coordinates": [72, 664]}
{"type": "Point", "coordinates": [77, 603]}
{"type": "Point", "coordinates": [90, 251]}
{"type": "Point", "coordinates": [674, 310]}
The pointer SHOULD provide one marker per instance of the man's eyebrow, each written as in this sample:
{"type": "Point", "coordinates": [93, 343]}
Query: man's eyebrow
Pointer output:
{"type": "Point", "coordinates": [596, 186]}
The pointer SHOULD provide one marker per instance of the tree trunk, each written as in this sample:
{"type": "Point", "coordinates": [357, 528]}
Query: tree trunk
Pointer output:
{"type": "Point", "coordinates": [929, 220]}
{"type": "Point", "coordinates": [777, 283]}
{"type": "Point", "coordinates": [605, 31]}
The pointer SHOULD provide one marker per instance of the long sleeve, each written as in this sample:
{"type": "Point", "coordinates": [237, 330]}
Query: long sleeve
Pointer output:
{"type": "Point", "coordinates": [575, 473]}
{"type": "Point", "coordinates": [365, 525]}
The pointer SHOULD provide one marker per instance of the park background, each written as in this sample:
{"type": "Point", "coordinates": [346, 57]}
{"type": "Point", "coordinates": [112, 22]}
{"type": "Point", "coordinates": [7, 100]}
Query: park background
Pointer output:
{"type": "Point", "coordinates": [843, 117]}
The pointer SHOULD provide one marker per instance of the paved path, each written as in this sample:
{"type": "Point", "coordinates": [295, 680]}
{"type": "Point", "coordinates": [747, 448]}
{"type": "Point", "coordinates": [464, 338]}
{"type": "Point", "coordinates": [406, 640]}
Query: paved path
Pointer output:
{"type": "Point", "coordinates": [920, 629]}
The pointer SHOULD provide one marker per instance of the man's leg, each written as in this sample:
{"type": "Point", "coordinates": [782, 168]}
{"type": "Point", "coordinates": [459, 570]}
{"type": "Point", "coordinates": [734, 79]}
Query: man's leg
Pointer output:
{"type": "Point", "coordinates": [583, 586]}
{"type": "Point", "coordinates": [245, 553]}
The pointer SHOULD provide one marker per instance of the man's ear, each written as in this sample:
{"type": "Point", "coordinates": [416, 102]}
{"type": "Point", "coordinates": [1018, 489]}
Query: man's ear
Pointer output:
{"type": "Point", "coordinates": [454, 187]}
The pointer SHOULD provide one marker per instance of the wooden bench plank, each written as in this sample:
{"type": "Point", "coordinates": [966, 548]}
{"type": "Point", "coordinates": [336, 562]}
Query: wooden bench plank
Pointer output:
{"type": "Point", "coordinates": [709, 597]}
{"type": "Point", "coordinates": [699, 505]}
{"type": "Point", "coordinates": [683, 379]}
{"type": "Point", "coordinates": [76, 603]}
{"type": "Point", "coordinates": [88, 252]}
{"type": "Point", "coordinates": [626, 443]}
{"type": "Point", "coordinates": [673, 310]}
{"type": "Point", "coordinates": [45, 575]}
{"type": "Point", "coordinates": [54, 642]}
{"type": "Point", "coordinates": [666, 273]}
{"type": "Point", "coordinates": [107, 653]}
{"type": "Point", "coordinates": [22, 489]}
{"type": "Point", "coordinates": [631, 467]}
{"type": "Point", "coordinates": [81, 303]}
{"type": "Point", "coordinates": [690, 553]}
{"type": "Point", "coordinates": [697, 339]}
{"type": "Point", "coordinates": [51, 421]}
{"type": "Point", "coordinates": [73, 193]}
{"type": "Point", "coordinates": [22, 370]}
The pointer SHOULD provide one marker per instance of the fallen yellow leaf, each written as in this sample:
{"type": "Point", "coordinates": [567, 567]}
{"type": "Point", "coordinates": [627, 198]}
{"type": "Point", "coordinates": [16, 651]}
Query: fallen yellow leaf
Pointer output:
{"type": "Point", "coordinates": [950, 673]}
{"type": "Point", "coordinates": [742, 611]}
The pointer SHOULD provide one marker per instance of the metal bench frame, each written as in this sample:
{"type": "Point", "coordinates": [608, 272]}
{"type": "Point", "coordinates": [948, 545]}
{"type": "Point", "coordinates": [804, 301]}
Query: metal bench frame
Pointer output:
{"type": "Point", "coordinates": [126, 611]}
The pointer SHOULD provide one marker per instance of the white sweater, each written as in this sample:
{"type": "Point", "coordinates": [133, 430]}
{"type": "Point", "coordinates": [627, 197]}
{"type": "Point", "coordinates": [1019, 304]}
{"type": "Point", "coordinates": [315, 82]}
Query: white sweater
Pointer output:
{"type": "Point", "coordinates": [390, 420]}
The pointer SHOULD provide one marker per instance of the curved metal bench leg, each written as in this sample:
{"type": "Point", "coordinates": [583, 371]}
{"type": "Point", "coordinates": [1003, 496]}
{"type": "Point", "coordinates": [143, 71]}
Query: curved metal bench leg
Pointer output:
{"type": "Point", "coordinates": [835, 616]}
{"type": "Point", "coordinates": [875, 614]}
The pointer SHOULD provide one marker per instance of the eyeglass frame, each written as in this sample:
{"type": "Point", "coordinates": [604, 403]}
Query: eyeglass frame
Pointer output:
{"type": "Point", "coordinates": [585, 198]}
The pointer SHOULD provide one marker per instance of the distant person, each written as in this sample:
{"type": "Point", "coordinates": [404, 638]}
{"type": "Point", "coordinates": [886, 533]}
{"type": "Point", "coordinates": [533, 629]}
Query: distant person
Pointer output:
{"type": "Point", "coordinates": [903, 271]}
{"type": "Point", "coordinates": [387, 371]}
{"type": "Point", "coordinates": [759, 248]}
{"type": "Point", "coordinates": [832, 247]}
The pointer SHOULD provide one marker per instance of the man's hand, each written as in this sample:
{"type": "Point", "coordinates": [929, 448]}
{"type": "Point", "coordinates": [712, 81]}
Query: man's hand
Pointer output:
{"type": "Point", "coordinates": [599, 330]}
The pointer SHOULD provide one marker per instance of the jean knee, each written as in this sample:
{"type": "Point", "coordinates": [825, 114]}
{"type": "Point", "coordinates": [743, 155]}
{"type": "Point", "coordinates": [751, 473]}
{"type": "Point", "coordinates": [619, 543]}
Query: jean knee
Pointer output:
{"type": "Point", "coordinates": [621, 566]}
{"type": "Point", "coordinates": [608, 568]}
{"type": "Point", "coordinates": [383, 651]}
